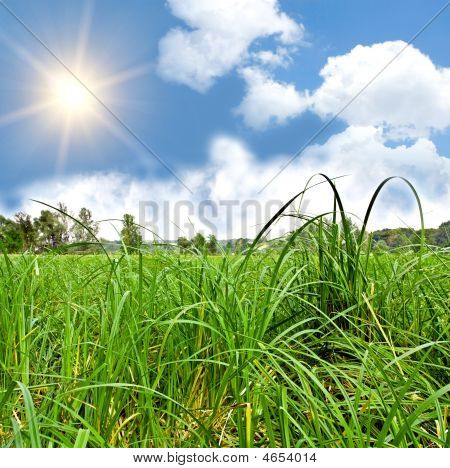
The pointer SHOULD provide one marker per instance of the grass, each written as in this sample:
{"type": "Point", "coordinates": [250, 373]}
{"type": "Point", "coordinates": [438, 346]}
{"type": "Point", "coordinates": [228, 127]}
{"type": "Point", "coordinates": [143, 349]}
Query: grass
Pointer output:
{"type": "Point", "coordinates": [321, 344]}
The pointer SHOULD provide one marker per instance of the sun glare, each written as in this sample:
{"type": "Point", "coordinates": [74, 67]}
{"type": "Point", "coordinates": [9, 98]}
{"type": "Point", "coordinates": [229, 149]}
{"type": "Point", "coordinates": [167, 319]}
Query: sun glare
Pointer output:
{"type": "Point", "coordinates": [68, 103]}
{"type": "Point", "coordinates": [71, 96]}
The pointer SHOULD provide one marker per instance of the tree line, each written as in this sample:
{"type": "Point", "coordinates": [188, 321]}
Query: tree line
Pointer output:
{"type": "Point", "coordinates": [54, 229]}
{"type": "Point", "coordinates": [399, 237]}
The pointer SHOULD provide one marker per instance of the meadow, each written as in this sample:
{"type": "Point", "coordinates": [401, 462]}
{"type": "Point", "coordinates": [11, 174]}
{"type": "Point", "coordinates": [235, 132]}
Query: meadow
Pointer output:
{"type": "Point", "coordinates": [321, 342]}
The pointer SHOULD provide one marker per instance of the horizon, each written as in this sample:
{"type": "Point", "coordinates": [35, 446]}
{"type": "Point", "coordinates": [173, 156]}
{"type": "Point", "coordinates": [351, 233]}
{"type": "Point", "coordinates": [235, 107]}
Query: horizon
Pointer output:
{"type": "Point", "coordinates": [285, 230]}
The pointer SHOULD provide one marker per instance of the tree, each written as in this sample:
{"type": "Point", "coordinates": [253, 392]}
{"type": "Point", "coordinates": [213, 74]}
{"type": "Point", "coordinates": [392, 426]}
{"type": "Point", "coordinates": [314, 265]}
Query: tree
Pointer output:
{"type": "Point", "coordinates": [64, 222]}
{"type": "Point", "coordinates": [380, 246]}
{"type": "Point", "coordinates": [443, 234]}
{"type": "Point", "coordinates": [81, 234]}
{"type": "Point", "coordinates": [131, 237]}
{"type": "Point", "coordinates": [241, 244]}
{"type": "Point", "coordinates": [51, 231]}
{"type": "Point", "coordinates": [199, 241]}
{"type": "Point", "coordinates": [27, 230]}
{"type": "Point", "coordinates": [184, 243]}
{"type": "Point", "coordinates": [10, 236]}
{"type": "Point", "coordinates": [212, 244]}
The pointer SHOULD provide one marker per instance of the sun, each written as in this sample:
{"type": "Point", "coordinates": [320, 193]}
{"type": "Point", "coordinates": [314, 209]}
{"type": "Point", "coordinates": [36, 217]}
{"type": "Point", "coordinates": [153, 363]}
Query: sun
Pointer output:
{"type": "Point", "coordinates": [72, 99]}
{"type": "Point", "coordinates": [70, 96]}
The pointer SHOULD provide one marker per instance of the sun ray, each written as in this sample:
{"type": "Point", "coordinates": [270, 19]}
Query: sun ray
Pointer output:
{"type": "Point", "coordinates": [27, 57]}
{"type": "Point", "coordinates": [83, 35]}
{"type": "Point", "coordinates": [125, 75]}
{"type": "Point", "coordinates": [25, 112]}
{"type": "Point", "coordinates": [67, 96]}
{"type": "Point", "coordinates": [63, 148]}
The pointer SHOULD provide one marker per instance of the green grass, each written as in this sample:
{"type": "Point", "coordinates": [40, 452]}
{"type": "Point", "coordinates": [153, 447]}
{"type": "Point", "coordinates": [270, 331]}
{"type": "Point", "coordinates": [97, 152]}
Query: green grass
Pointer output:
{"type": "Point", "coordinates": [320, 344]}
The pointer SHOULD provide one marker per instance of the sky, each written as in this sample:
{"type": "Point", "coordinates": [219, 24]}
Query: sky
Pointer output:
{"type": "Point", "coordinates": [225, 93]}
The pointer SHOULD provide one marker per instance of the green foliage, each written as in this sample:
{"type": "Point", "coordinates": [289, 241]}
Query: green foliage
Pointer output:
{"type": "Point", "coordinates": [87, 229]}
{"type": "Point", "coordinates": [183, 243]}
{"type": "Point", "coordinates": [212, 244]}
{"type": "Point", "coordinates": [130, 235]}
{"type": "Point", "coordinates": [241, 244]}
{"type": "Point", "coordinates": [199, 241]}
{"type": "Point", "coordinates": [195, 350]}
{"type": "Point", "coordinates": [318, 343]}
{"type": "Point", "coordinates": [27, 230]}
{"type": "Point", "coordinates": [402, 237]}
{"type": "Point", "coordinates": [51, 231]}
{"type": "Point", "coordinates": [64, 220]}
{"type": "Point", "coordinates": [11, 239]}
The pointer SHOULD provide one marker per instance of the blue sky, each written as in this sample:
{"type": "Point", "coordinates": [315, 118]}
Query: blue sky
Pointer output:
{"type": "Point", "coordinates": [182, 118]}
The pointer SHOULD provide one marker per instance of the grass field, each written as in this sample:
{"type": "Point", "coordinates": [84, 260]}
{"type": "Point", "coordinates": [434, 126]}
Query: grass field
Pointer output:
{"type": "Point", "coordinates": [322, 343]}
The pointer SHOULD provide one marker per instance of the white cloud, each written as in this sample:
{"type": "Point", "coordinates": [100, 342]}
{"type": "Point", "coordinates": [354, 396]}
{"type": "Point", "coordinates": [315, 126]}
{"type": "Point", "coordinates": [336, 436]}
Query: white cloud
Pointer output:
{"type": "Point", "coordinates": [361, 153]}
{"type": "Point", "coordinates": [119, 194]}
{"type": "Point", "coordinates": [221, 35]}
{"type": "Point", "coordinates": [358, 152]}
{"type": "Point", "coordinates": [234, 173]}
{"type": "Point", "coordinates": [409, 98]}
{"type": "Point", "coordinates": [268, 101]}
{"type": "Point", "coordinates": [280, 58]}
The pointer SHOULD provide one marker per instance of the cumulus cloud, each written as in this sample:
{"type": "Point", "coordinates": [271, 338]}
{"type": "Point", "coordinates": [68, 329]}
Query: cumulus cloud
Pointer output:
{"type": "Point", "coordinates": [233, 176]}
{"type": "Point", "coordinates": [268, 101]}
{"type": "Point", "coordinates": [281, 57]}
{"type": "Point", "coordinates": [410, 98]}
{"type": "Point", "coordinates": [120, 193]}
{"type": "Point", "coordinates": [219, 38]}
{"type": "Point", "coordinates": [360, 153]}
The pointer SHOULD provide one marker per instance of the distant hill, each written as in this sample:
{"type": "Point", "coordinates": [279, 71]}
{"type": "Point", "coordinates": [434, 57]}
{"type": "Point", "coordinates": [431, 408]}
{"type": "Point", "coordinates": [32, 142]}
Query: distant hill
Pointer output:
{"type": "Point", "coordinates": [389, 238]}
{"type": "Point", "coordinates": [382, 239]}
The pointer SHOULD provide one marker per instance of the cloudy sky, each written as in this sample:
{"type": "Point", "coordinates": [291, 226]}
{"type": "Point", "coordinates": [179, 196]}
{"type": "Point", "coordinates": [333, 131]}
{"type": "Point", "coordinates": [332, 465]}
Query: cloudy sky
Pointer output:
{"type": "Point", "coordinates": [225, 93]}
